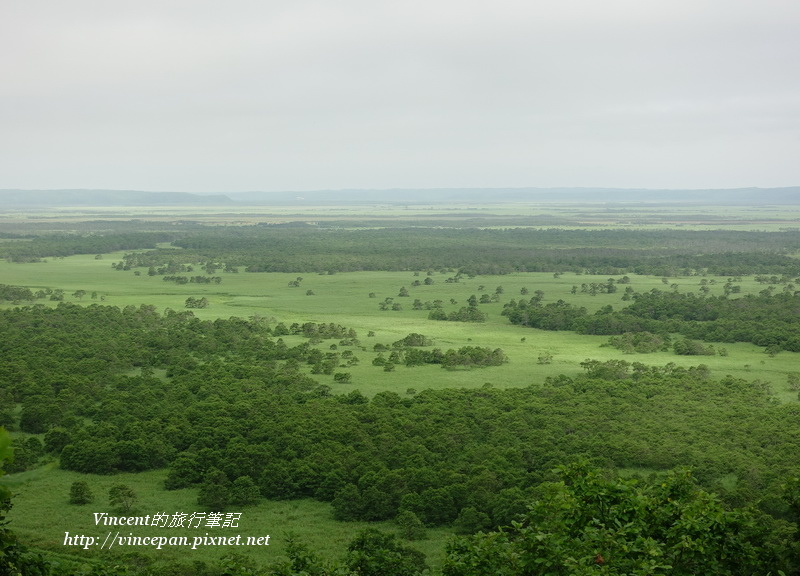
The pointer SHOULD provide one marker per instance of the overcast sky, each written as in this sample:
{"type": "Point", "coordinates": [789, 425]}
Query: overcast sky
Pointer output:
{"type": "Point", "coordinates": [210, 96]}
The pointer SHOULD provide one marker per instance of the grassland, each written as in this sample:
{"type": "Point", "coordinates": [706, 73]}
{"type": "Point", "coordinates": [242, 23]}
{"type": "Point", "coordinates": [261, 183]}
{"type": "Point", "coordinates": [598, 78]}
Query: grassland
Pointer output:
{"type": "Point", "coordinates": [40, 497]}
{"type": "Point", "coordinates": [345, 299]}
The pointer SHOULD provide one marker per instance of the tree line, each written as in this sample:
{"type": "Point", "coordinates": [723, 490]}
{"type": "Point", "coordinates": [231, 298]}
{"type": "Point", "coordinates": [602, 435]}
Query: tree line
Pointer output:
{"type": "Point", "coordinates": [36, 248]}
{"type": "Point", "coordinates": [473, 251]}
{"type": "Point", "coordinates": [766, 319]}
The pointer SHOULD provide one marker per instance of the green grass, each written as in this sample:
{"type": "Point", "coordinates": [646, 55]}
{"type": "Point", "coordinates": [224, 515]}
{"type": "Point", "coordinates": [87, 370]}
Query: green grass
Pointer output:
{"type": "Point", "coordinates": [42, 495]}
{"type": "Point", "coordinates": [344, 299]}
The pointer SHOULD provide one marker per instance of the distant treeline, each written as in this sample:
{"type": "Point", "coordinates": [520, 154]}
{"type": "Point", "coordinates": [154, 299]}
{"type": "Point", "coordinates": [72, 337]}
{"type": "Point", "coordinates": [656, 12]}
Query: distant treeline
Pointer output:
{"type": "Point", "coordinates": [34, 249]}
{"type": "Point", "coordinates": [473, 251]}
{"type": "Point", "coordinates": [488, 251]}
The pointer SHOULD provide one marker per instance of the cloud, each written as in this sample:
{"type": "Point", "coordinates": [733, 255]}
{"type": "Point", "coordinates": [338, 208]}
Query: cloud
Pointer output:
{"type": "Point", "coordinates": [199, 95]}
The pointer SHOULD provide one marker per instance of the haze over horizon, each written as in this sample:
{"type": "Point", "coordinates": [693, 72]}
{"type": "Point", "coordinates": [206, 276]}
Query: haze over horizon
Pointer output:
{"type": "Point", "coordinates": [302, 96]}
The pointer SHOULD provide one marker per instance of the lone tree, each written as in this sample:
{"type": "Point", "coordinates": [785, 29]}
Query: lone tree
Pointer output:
{"type": "Point", "coordinates": [122, 497]}
{"type": "Point", "coordinates": [80, 493]}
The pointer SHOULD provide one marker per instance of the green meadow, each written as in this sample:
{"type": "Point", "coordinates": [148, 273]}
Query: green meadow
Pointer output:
{"type": "Point", "coordinates": [40, 497]}
{"type": "Point", "coordinates": [344, 298]}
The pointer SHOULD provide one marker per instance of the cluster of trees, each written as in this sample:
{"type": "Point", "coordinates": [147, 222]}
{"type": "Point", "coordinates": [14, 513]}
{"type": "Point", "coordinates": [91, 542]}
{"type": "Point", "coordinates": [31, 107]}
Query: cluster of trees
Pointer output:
{"type": "Point", "coordinates": [18, 294]}
{"type": "Point", "coordinates": [15, 293]}
{"type": "Point", "coordinates": [389, 304]}
{"type": "Point", "coordinates": [465, 357]}
{"type": "Point", "coordinates": [559, 315]}
{"type": "Point", "coordinates": [595, 288]}
{"type": "Point", "coordinates": [646, 342]}
{"type": "Point", "coordinates": [687, 347]}
{"type": "Point", "coordinates": [640, 342]}
{"type": "Point", "coordinates": [318, 331]}
{"type": "Point", "coordinates": [463, 314]}
{"type": "Point", "coordinates": [158, 262]}
{"type": "Point", "coordinates": [120, 496]}
{"type": "Point", "coordinates": [413, 339]}
{"type": "Point", "coordinates": [472, 251]}
{"type": "Point", "coordinates": [765, 319]}
{"type": "Point", "coordinates": [193, 279]}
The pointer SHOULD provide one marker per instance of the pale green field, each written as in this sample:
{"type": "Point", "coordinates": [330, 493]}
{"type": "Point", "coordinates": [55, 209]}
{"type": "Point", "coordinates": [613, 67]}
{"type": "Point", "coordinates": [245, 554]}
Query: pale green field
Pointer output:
{"type": "Point", "coordinates": [344, 299]}
{"type": "Point", "coordinates": [41, 495]}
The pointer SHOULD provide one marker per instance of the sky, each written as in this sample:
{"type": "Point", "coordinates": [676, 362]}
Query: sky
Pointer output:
{"type": "Point", "coordinates": [273, 95]}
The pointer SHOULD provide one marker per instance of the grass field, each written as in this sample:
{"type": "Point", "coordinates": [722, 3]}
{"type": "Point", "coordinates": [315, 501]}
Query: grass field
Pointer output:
{"type": "Point", "coordinates": [41, 494]}
{"type": "Point", "coordinates": [345, 299]}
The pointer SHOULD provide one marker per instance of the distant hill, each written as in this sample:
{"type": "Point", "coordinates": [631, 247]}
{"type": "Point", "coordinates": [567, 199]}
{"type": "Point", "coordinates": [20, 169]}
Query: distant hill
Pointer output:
{"type": "Point", "coordinates": [737, 196]}
{"type": "Point", "coordinates": [62, 198]}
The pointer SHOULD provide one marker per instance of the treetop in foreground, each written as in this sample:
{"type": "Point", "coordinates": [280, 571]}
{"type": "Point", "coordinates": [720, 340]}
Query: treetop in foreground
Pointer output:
{"type": "Point", "coordinates": [586, 523]}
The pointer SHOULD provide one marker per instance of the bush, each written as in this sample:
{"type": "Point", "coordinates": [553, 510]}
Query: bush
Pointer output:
{"type": "Point", "coordinates": [80, 493]}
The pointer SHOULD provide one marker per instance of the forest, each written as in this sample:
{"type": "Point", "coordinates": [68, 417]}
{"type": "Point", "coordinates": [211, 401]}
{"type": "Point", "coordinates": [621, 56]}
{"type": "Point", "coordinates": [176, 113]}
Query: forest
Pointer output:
{"type": "Point", "coordinates": [652, 453]}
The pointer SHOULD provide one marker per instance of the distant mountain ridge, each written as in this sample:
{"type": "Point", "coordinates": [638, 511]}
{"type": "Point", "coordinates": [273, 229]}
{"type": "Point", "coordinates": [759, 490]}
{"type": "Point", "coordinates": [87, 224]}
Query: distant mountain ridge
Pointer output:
{"type": "Point", "coordinates": [728, 196]}
{"type": "Point", "coordinates": [62, 198]}
{"type": "Point", "coordinates": [737, 196]}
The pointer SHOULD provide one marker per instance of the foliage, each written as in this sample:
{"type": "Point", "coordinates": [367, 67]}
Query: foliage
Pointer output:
{"type": "Point", "coordinates": [639, 342]}
{"type": "Point", "coordinates": [656, 252]}
{"type": "Point", "coordinates": [586, 523]}
{"type": "Point", "coordinates": [687, 347]}
{"type": "Point", "coordinates": [244, 492]}
{"type": "Point", "coordinates": [375, 553]}
{"type": "Point", "coordinates": [215, 491]}
{"type": "Point", "coordinates": [237, 405]}
{"type": "Point", "coordinates": [192, 302]}
{"type": "Point", "coordinates": [14, 557]}
{"type": "Point", "coordinates": [464, 314]}
{"type": "Point", "coordinates": [60, 245]}
{"type": "Point", "coordinates": [122, 496]}
{"type": "Point", "coordinates": [765, 319]}
{"type": "Point", "coordinates": [80, 493]}
{"type": "Point", "coordinates": [15, 293]}
{"type": "Point", "coordinates": [411, 527]}
{"type": "Point", "coordinates": [413, 339]}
